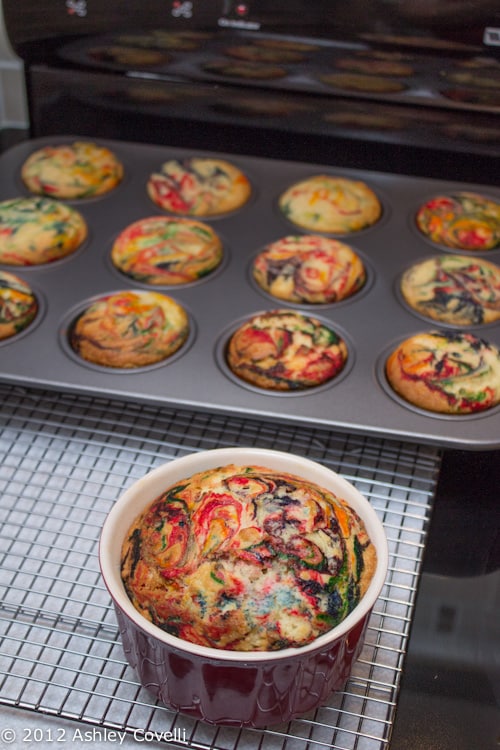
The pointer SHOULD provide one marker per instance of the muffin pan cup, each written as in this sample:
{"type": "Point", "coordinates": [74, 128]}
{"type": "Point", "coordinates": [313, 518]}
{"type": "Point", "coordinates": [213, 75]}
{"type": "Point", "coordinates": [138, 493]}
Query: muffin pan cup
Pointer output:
{"type": "Point", "coordinates": [372, 319]}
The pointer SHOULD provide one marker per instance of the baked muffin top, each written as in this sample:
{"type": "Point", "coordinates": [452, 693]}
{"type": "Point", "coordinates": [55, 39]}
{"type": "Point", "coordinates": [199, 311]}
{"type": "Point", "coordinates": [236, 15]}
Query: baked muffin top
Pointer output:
{"type": "Point", "coordinates": [447, 372]}
{"type": "Point", "coordinates": [250, 69]}
{"type": "Point", "coordinates": [126, 56]}
{"type": "Point", "coordinates": [454, 289]}
{"type": "Point", "coordinates": [326, 203]}
{"type": "Point", "coordinates": [199, 186]}
{"type": "Point", "coordinates": [310, 269]}
{"type": "Point", "coordinates": [461, 220]}
{"type": "Point", "coordinates": [72, 170]}
{"type": "Point", "coordinates": [284, 350]}
{"type": "Point", "coordinates": [18, 305]}
{"type": "Point", "coordinates": [38, 230]}
{"type": "Point", "coordinates": [165, 250]}
{"type": "Point", "coordinates": [361, 82]}
{"type": "Point", "coordinates": [258, 53]}
{"type": "Point", "coordinates": [247, 558]}
{"type": "Point", "coordinates": [130, 329]}
{"type": "Point", "coordinates": [375, 65]}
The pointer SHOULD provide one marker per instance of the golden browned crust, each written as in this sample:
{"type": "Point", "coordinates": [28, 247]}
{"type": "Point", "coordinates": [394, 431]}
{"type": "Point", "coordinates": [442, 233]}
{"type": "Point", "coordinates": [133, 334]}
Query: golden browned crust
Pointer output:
{"type": "Point", "coordinates": [369, 568]}
{"type": "Point", "coordinates": [130, 329]}
{"type": "Point", "coordinates": [446, 372]}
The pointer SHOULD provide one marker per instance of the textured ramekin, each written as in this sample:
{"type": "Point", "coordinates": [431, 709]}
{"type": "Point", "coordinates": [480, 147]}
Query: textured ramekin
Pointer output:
{"type": "Point", "coordinates": [257, 688]}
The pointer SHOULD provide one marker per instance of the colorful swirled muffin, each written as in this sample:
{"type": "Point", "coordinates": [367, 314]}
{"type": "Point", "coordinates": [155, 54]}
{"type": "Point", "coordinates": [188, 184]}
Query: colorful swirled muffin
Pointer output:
{"type": "Point", "coordinates": [18, 305]}
{"type": "Point", "coordinates": [446, 372]}
{"type": "Point", "coordinates": [182, 41]}
{"type": "Point", "coordinates": [454, 289]}
{"type": "Point", "coordinates": [375, 65]}
{"type": "Point", "coordinates": [462, 220]}
{"type": "Point", "coordinates": [365, 83]}
{"type": "Point", "coordinates": [326, 203]}
{"type": "Point", "coordinates": [72, 170]}
{"type": "Point", "coordinates": [199, 186]}
{"type": "Point", "coordinates": [128, 56]}
{"type": "Point", "coordinates": [256, 53]}
{"type": "Point", "coordinates": [246, 69]}
{"type": "Point", "coordinates": [165, 250]}
{"type": "Point", "coordinates": [486, 76]}
{"type": "Point", "coordinates": [130, 329]}
{"type": "Point", "coordinates": [284, 350]}
{"type": "Point", "coordinates": [309, 269]}
{"type": "Point", "coordinates": [38, 230]}
{"type": "Point", "coordinates": [284, 43]}
{"type": "Point", "coordinates": [245, 558]}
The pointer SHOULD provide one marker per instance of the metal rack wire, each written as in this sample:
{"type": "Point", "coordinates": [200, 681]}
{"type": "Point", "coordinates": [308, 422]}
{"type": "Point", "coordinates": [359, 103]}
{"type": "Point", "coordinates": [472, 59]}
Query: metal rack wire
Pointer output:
{"type": "Point", "coordinates": [64, 459]}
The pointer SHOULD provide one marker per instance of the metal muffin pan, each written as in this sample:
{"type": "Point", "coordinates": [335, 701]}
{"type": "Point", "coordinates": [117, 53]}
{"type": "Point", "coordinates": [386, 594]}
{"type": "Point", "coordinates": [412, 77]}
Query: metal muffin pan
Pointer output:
{"type": "Point", "coordinates": [426, 78]}
{"type": "Point", "coordinates": [372, 321]}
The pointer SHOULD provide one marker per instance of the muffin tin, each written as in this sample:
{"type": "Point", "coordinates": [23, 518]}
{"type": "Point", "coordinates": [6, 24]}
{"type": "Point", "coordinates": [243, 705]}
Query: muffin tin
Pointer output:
{"type": "Point", "coordinates": [462, 81]}
{"type": "Point", "coordinates": [373, 321]}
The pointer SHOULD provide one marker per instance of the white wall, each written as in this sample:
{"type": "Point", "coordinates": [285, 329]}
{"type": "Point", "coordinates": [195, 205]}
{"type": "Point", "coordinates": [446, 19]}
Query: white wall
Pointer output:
{"type": "Point", "coordinates": [13, 110]}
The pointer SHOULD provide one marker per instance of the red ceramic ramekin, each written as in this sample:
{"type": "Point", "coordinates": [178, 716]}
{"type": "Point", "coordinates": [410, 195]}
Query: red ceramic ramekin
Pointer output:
{"type": "Point", "coordinates": [256, 688]}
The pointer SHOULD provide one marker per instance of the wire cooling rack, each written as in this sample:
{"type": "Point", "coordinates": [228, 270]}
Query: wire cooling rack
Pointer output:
{"type": "Point", "coordinates": [65, 459]}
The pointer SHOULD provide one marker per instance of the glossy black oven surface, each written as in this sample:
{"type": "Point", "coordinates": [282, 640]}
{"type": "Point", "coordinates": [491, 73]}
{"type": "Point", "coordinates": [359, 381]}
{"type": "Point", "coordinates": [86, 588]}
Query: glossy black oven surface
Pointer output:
{"type": "Point", "coordinates": [398, 86]}
{"type": "Point", "coordinates": [450, 692]}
